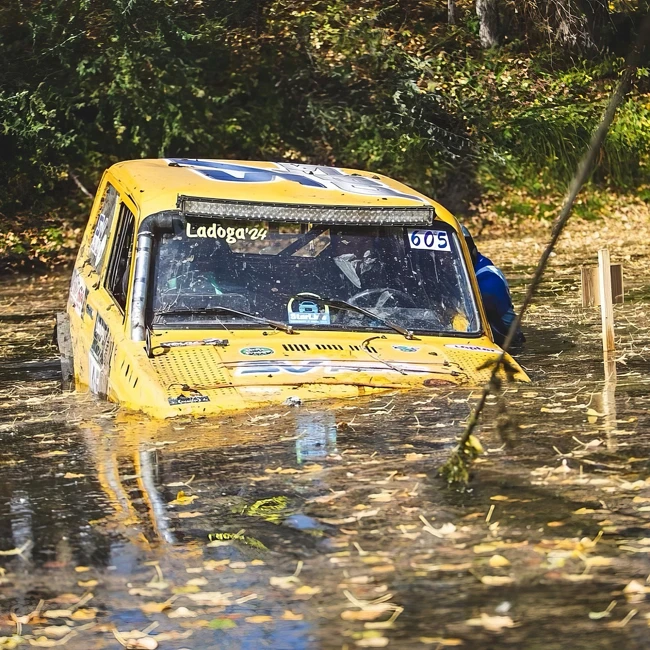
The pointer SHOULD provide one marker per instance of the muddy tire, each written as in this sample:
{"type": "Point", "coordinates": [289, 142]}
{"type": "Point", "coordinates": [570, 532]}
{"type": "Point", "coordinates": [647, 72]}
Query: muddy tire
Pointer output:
{"type": "Point", "coordinates": [64, 343]}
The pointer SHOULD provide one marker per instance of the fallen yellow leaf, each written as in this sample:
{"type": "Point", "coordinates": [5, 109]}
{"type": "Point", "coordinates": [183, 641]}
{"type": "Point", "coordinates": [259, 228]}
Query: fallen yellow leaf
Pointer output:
{"type": "Point", "coordinates": [497, 581]}
{"type": "Point", "coordinates": [306, 590]}
{"type": "Point", "coordinates": [432, 640]}
{"type": "Point", "coordinates": [183, 499]}
{"type": "Point", "coordinates": [492, 623]}
{"type": "Point", "coordinates": [84, 614]}
{"type": "Point", "coordinates": [259, 619]}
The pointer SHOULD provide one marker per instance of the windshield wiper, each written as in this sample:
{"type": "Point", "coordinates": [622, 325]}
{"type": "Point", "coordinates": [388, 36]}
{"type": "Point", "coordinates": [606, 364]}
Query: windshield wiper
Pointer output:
{"type": "Point", "coordinates": [348, 306]}
{"type": "Point", "coordinates": [227, 310]}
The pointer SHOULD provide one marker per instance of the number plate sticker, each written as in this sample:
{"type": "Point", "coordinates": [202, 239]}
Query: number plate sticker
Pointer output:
{"type": "Point", "coordinates": [429, 240]}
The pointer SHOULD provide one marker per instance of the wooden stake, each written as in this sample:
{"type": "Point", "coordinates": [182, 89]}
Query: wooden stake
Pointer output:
{"type": "Point", "coordinates": [606, 306]}
{"type": "Point", "coordinates": [617, 283]}
{"type": "Point", "coordinates": [590, 289]}
{"type": "Point", "coordinates": [591, 285]}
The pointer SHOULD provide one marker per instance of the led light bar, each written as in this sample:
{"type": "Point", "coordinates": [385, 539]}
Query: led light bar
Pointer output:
{"type": "Point", "coordinates": [296, 213]}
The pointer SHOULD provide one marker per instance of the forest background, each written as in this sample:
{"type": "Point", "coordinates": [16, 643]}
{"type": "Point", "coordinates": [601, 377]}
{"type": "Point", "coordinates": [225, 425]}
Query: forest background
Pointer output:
{"type": "Point", "coordinates": [485, 106]}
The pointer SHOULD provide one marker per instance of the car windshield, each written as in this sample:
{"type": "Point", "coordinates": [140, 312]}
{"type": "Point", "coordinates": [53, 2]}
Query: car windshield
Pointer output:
{"type": "Point", "coordinates": [212, 274]}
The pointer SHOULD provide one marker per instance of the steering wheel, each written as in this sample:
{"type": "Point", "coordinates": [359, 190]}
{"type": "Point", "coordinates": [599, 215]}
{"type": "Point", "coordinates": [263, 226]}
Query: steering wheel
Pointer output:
{"type": "Point", "coordinates": [381, 297]}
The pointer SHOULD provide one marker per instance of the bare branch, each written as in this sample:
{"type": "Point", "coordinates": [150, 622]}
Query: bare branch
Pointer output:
{"type": "Point", "coordinates": [79, 184]}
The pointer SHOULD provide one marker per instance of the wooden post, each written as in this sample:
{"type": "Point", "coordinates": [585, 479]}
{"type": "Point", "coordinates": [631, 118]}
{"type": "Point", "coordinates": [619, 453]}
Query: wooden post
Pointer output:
{"type": "Point", "coordinates": [590, 290]}
{"type": "Point", "coordinates": [617, 283]}
{"type": "Point", "coordinates": [591, 285]}
{"type": "Point", "coordinates": [606, 306]}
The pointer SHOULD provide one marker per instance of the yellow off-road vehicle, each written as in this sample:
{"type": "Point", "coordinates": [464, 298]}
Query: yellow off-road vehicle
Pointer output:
{"type": "Point", "coordinates": [203, 286]}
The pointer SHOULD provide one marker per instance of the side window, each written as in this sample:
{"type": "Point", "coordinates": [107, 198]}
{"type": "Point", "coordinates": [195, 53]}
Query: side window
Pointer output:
{"type": "Point", "coordinates": [102, 229]}
{"type": "Point", "coordinates": [117, 278]}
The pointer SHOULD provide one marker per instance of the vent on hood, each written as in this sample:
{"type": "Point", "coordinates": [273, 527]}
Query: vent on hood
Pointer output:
{"type": "Point", "coordinates": [358, 348]}
{"type": "Point", "coordinates": [329, 346]}
{"type": "Point", "coordinates": [296, 347]}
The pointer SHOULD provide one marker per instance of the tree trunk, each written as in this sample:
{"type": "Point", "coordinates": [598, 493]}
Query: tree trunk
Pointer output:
{"type": "Point", "coordinates": [451, 12]}
{"type": "Point", "coordinates": [488, 16]}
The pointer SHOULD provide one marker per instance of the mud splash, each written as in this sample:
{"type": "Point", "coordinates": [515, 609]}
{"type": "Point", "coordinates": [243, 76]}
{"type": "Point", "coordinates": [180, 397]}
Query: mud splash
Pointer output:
{"type": "Point", "coordinates": [325, 526]}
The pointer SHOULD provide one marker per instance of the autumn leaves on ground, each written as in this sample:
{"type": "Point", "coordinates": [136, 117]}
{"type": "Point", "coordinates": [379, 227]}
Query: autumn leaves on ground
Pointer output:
{"type": "Point", "coordinates": [326, 526]}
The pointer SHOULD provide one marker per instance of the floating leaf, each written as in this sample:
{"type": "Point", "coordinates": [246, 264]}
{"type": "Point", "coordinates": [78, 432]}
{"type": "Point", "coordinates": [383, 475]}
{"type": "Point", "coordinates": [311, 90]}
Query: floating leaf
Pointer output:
{"type": "Point", "coordinates": [284, 582]}
{"type": "Point", "coordinates": [183, 499]}
{"type": "Point", "coordinates": [440, 641]}
{"type": "Point", "coordinates": [492, 623]}
{"type": "Point", "coordinates": [55, 630]}
{"type": "Point", "coordinates": [497, 581]}
{"type": "Point", "coordinates": [182, 612]}
{"type": "Point", "coordinates": [305, 590]}
{"type": "Point", "coordinates": [141, 643]}
{"type": "Point", "coordinates": [211, 598]}
{"type": "Point", "coordinates": [382, 497]}
{"type": "Point", "coordinates": [57, 613]}
{"type": "Point", "coordinates": [155, 608]}
{"type": "Point", "coordinates": [84, 614]}
{"type": "Point", "coordinates": [261, 618]}
{"type": "Point", "coordinates": [373, 642]}
{"type": "Point", "coordinates": [222, 624]}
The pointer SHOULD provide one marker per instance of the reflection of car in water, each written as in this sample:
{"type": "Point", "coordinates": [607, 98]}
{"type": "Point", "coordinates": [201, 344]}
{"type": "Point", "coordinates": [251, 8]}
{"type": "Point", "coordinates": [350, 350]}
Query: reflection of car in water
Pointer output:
{"type": "Point", "coordinates": [206, 286]}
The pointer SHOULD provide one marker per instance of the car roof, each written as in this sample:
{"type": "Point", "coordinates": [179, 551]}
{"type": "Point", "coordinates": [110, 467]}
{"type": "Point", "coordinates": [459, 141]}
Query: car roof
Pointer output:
{"type": "Point", "coordinates": [154, 185]}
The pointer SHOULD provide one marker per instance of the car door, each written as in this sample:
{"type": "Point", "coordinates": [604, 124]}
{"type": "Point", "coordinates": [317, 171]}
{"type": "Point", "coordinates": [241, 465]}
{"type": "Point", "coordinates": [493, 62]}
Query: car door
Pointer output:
{"type": "Point", "coordinates": [98, 294]}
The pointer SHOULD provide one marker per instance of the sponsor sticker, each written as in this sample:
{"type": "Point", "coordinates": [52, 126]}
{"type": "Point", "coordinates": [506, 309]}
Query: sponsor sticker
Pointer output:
{"type": "Point", "coordinates": [405, 348]}
{"type": "Point", "coordinates": [326, 366]}
{"type": "Point", "coordinates": [307, 311]}
{"type": "Point", "coordinates": [229, 233]}
{"type": "Point", "coordinates": [78, 293]}
{"type": "Point", "coordinates": [470, 348]}
{"type": "Point", "coordinates": [99, 358]}
{"type": "Point", "coordinates": [429, 240]}
{"type": "Point", "coordinates": [189, 399]}
{"type": "Point", "coordinates": [256, 351]}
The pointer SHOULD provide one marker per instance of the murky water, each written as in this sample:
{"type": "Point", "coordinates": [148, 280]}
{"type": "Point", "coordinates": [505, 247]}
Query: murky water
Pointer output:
{"type": "Point", "coordinates": [326, 526]}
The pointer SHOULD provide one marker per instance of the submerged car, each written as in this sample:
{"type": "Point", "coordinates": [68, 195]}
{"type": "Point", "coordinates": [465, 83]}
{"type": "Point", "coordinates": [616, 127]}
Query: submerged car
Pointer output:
{"type": "Point", "coordinates": [203, 286]}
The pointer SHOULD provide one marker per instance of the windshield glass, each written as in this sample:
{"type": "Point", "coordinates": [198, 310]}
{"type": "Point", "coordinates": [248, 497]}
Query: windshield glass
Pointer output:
{"type": "Point", "coordinates": [206, 271]}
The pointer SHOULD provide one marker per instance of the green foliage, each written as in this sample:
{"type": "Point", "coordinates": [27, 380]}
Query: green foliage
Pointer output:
{"type": "Point", "coordinates": [390, 88]}
{"type": "Point", "coordinates": [271, 509]}
{"type": "Point", "coordinates": [456, 470]}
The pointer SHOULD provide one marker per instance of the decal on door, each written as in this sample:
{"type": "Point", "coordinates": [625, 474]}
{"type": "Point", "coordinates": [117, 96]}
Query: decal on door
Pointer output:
{"type": "Point", "coordinates": [78, 293]}
{"type": "Point", "coordinates": [99, 358]}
